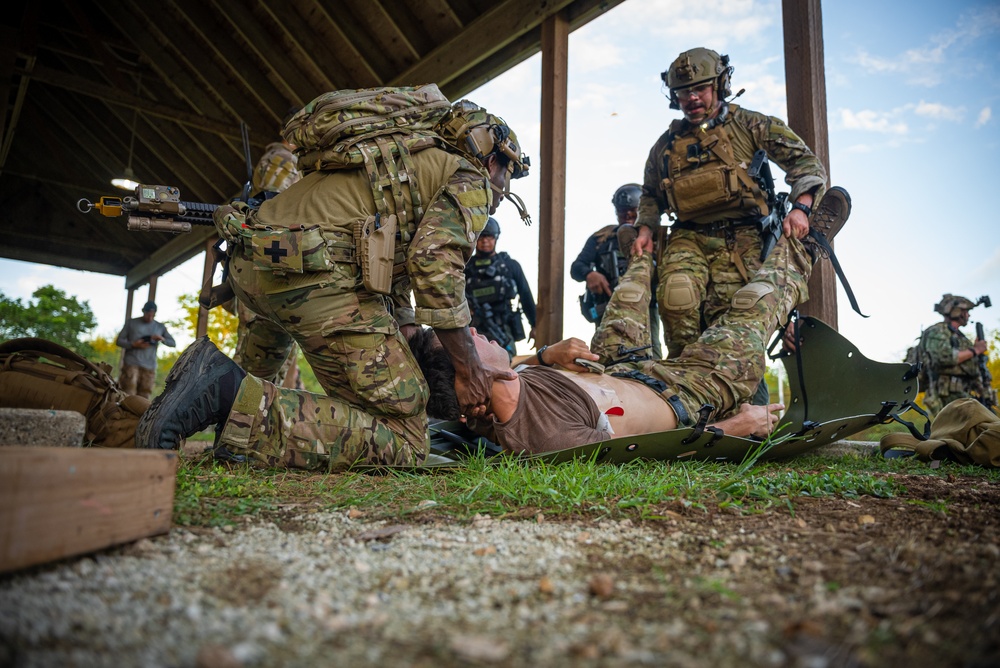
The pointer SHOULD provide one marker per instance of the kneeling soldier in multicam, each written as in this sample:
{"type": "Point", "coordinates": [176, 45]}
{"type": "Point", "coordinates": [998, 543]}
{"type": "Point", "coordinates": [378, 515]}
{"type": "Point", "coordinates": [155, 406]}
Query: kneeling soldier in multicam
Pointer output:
{"type": "Point", "coordinates": [374, 410]}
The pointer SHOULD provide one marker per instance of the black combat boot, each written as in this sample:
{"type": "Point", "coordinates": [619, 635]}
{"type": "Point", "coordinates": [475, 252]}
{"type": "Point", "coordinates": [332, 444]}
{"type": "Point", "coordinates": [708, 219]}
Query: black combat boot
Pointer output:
{"type": "Point", "coordinates": [199, 392]}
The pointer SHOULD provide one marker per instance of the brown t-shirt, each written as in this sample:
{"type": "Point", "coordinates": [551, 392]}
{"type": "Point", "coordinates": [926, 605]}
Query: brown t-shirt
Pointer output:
{"type": "Point", "coordinates": [553, 413]}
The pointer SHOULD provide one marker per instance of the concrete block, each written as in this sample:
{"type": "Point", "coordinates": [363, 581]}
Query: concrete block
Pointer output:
{"type": "Point", "coordinates": [33, 426]}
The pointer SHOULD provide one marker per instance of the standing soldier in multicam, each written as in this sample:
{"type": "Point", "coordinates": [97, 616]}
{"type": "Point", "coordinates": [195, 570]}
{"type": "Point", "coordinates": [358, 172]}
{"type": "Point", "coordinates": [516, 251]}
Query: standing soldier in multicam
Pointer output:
{"type": "Point", "coordinates": [602, 262]}
{"type": "Point", "coordinates": [492, 281]}
{"type": "Point", "coordinates": [697, 172]}
{"type": "Point", "coordinates": [276, 170]}
{"type": "Point", "coordinates": [950, 357]}
{"type": "Point", "coordinates": [397, 185]}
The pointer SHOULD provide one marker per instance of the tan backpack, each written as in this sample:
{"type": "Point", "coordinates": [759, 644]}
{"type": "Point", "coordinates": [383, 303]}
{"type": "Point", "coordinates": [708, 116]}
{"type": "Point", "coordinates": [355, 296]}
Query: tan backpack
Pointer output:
{"type": "Point", "coordinates": [964, 431]}
{"type": "Point", "coordinates": [36, 373]}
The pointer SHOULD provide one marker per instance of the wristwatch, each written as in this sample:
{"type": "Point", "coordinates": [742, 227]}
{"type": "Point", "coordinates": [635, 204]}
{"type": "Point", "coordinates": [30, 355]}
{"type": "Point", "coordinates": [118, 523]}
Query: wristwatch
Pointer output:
{"type": "Point", "coordinates": [804, 208]}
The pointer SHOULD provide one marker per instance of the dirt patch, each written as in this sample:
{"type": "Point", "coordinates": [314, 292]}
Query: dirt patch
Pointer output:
{"type": "Point", "coordinates": [903, 581]}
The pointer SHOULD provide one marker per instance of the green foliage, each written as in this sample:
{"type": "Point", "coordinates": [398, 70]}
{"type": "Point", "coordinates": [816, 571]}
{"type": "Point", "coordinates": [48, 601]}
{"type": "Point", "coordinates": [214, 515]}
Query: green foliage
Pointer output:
{"type": "Point", "coordinates": [164, 363]}
{"type": "Point", "coordinates": [222, 325]}
{"type": "Point", "coordinates": [105, 350]}
{"type": "Point", "coordinates": [308, 376]}
{"type": "Point", "coordinates": [50, 314]}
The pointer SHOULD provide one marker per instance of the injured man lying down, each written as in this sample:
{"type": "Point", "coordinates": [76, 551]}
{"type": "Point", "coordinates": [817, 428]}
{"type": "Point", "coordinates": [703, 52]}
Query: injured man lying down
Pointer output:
{"type": "Point", "coordinates": [557, 402]}
{"type": "Point", "coordinates": [541, 410]}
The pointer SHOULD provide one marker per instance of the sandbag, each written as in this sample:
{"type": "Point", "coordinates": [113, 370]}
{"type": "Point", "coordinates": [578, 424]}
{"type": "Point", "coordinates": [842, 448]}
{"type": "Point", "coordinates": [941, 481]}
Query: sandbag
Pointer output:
{"type": "Point", "coordinates": [37, 373]}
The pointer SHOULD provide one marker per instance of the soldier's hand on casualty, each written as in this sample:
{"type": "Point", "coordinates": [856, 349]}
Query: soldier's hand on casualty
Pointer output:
{"type": "Point", "coordinates": [598, 284]}
{"type": "Point", "coordinates": [796, 224]}
{"type": "Point", "coordinates": [474, 387]}
{"type": "Point", "coordinates": [643, 242]}
{"type": "Point", "coordinates": [566, 352]}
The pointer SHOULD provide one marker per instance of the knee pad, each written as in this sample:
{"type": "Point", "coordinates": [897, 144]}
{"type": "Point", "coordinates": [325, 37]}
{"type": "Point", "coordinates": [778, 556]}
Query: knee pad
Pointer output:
{"type": "Point", "coordinates": [747, 297]}
{"type": "Point", "coordinates": [679, 293]}
{"type": "Point", "coordinates": [630, 292]}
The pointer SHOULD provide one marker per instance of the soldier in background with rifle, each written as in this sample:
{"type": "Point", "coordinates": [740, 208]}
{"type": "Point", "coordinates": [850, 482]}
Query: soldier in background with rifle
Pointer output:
{"type": "Point", "coordinates": [492, 281]}
{"type": "Point", "coordinates": [955, 366]}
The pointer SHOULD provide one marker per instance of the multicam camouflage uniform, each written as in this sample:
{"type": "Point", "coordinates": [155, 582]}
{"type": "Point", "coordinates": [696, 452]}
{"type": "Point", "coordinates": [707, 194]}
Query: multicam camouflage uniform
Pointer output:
{"type": "Point", "coordinates": [949, 380]}
{"type": "Point", "coordinates": [375, 411]}
{"type": "Point", "coordinates": [725, 365]}
{"type": "Point", "coordinates": [710, 256]}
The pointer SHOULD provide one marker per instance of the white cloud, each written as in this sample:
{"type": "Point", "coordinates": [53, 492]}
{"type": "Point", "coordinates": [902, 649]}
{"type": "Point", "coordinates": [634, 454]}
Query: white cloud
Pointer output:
{"type": "Point", "coordinates": [939, 111]}
{"type": "Point", "coordinates": [593, 52]}
{"type": "Point", "coordinates": [690, 23]}
{"type": "Point", "coordinates": [984, 117]}
{"type": "Point", "coordinates": [873, 121]}
{"type": "Point", "coordinates": [927, 64]}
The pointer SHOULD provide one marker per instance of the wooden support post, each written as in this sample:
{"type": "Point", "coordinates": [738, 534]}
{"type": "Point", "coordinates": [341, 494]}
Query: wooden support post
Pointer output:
{"type": "Point", "coordinates": [805, 85]}
{"type": "Point", "coordinates": [61, 502]}
{"type": "Point", "coordinates": [152, 288]}
{"type": "Point", "coordinates": [128, 316]}
{"type": "Point", "coordinates": [128, 304]}
{"type": "Point", "coordinates": [552, 171]}
{"type": "Point", "coordinates": [206, 279]}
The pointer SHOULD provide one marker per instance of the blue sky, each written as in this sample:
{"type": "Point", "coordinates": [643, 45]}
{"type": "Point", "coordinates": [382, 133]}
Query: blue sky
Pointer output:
{"type": "Point", "coordinates": [913, 94]}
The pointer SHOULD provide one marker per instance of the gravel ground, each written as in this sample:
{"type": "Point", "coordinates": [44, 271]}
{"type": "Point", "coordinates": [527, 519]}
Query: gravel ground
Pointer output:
{"type": "Point", "coordinates": [864, 582]}
{"type": "Point", "coordinates": [486, 592]}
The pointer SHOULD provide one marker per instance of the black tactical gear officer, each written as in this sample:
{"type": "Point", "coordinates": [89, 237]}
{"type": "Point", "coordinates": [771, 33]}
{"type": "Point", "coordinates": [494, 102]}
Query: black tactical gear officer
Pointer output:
{"type": "Point", "coordinates": [492, 282]}
{"type": "Point", "coordinates": [602, 262]}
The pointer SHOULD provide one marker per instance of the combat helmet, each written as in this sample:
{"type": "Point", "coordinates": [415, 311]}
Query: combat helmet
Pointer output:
{"type": "Point", "coordinates": [627, 197]}
{"type": "Point", "coordinates": [952, 305]}
{"type": "Point", "coordinates": [476, 134]}
{"type": "Point", "coordinates": [697, 66]}
{"type": "Point", "coordinates": [492, 228]}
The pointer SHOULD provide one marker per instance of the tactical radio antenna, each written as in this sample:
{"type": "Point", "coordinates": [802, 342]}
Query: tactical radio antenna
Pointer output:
{"type": "Point", "coordinates": [245, 134]}
{"type": "Point", "coordinates": [741, 91]}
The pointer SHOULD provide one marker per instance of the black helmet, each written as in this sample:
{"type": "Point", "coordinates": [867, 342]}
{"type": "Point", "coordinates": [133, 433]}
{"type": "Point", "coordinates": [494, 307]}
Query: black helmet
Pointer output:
{"type": "Point", "coordinates": [626, 197]}
{"type": "Point", "coordinates": [492, 228]}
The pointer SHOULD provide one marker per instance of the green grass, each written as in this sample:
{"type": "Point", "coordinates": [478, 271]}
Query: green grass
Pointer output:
{"type": "Point", "coordinates": [212, 494]}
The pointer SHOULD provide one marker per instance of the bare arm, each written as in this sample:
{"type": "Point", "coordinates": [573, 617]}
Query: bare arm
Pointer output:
{"type": "Point", "coordinates": [564, 354]}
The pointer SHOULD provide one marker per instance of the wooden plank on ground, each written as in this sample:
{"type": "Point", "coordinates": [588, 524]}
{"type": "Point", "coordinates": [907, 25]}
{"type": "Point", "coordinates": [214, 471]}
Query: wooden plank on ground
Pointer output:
{"type": "Point", "coordinates": [61, 502]}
